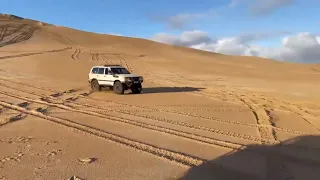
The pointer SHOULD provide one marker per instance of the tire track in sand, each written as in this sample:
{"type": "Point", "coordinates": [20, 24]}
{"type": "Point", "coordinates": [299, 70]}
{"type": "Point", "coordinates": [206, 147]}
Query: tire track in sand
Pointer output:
{"type": "Point", "coordinates": [12, 119]}
{"type": "Point", "coordinates": [94, 56]}
{"type": "Point", "coordinates": [6, 32]}
{"type": "Point", "coordinates": [3, 31]}
{"type": "Point", "coordinates": [133, 122]}
{"type": "Point", "coordinates": [196, 116]}
{"type": "Point", "coordinates": [105, 59]}
{"type": "Point", "coordinates": [60, 39]}
{"type": "Point", "coordinates": [295, 109]}
{"type": "Point", "coordinates": [203, 128]}
{"type": "Point", "coordinates": [23, 84]}
{"type": "Point", "coordinates": [165, 154]}
{"type": "Point", "coordinates": [57, 94]}
{"type": "Point", "coordinates": [264, 113]}
{"type": "Point", "coordinates": [75, 55]}
{"type": "Point", "coordinates": [187, 135]}
{"type": "Point", "coordinates": [34, 53]}
{"type": "Point", "coordinates": [112, 59]}
{"type": "Point", "coordinates": [124, 63]}
{"type": "Point", "coordinates": [174, 112]}
{"type": "Point", "coordinates": [23, 36]}
{"type": "Point", "coordinates": [100, 114]}
{"type": "Point", "coordinates": [262, 118]}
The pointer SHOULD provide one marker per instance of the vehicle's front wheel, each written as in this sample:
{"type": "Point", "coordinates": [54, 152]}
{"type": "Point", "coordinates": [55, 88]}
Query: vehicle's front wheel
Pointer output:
{"type": "Point", "coordinates": [136, 89]}
{"type": "Point", "coordinates": [95, 85]}
{"type": "Point", "coordinates": [118, 87]}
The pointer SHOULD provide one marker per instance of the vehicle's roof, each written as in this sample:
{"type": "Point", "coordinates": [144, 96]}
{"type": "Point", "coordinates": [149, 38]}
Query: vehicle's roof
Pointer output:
{"type": "Point", "coordinates": [111, 66]}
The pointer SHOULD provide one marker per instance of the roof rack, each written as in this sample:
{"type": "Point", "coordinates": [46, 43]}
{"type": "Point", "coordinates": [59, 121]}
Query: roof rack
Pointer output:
{"type": "Point", "coordinates": [112, 65]}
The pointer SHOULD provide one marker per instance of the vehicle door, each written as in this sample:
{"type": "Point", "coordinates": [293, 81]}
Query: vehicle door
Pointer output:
{"type": "Point", "coordinates": [100, 76]}
{"type": "Point", "coordinates": [108, 76]}
{"type": "Point", "coordinates": [93, 73]}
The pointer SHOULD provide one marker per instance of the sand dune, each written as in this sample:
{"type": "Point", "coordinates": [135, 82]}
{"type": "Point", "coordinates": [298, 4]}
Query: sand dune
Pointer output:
{"type": "Point", "coordinates": [201, 115]}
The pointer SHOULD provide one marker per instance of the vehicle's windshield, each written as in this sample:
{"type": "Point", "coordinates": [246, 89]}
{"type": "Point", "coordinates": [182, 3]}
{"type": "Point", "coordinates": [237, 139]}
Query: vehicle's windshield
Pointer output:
{"type": "Point", "coordinates": [119, 71]}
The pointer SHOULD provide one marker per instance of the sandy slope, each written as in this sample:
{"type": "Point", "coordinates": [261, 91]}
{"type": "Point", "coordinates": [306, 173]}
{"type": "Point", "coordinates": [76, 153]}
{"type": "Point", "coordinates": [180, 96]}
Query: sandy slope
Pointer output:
{"type": "Point", "coordinates": [201, 115]}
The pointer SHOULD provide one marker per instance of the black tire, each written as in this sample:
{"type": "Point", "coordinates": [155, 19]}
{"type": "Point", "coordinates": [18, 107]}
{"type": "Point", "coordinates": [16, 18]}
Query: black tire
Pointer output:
{"type": "Point", "coordinates": [136, 89]}
{"type": "Point", "coordinates": [118, 87]}
{"type": "Point", "coordinates": [95, 85]}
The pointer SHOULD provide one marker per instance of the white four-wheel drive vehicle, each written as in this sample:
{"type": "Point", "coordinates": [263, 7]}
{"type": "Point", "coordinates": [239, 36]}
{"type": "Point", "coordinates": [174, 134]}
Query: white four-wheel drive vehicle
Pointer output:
{"type": "Point", "coordinates": [115, 77]}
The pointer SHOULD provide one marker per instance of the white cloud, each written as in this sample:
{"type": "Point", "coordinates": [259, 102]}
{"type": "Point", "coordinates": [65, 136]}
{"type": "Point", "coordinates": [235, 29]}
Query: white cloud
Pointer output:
{"type": "Point", "coordinates": [263, 7]}
{"type": "Point", "coordinates": [187, 38]}
{"type": "Point", "coordinates": [180, 20]}
{"type": "Point", "coordinates": [300, 47]}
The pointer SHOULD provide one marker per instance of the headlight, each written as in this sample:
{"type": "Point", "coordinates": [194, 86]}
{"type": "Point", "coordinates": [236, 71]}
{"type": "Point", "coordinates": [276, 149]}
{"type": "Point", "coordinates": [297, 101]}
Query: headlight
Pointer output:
{"type": "Point", "coordinates": [140, 78]}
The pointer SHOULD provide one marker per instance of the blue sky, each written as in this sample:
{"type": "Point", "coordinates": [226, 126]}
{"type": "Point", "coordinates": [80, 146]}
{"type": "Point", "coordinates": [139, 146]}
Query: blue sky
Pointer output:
{"type": "Point", "coordinates": [134, 18]}
{"type": "Point", "coordinates": [147, 18]}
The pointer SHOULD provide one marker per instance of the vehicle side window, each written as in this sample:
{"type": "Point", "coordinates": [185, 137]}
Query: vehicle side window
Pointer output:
{"type": "Point", "coordinates": [95, 71]}
{"type": "Point", "coordinates": [108, 71]}
{"type": "Point", "coordinates": [101, 71]}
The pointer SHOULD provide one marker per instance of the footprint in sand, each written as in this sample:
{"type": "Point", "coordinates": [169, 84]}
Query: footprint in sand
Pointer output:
{"type": "Point", "coordinates": [87, 160]}
{"type": "Point", "coordinates": [19, 139]}
{"type": "Point", "coordinates": [17, 158]}
{"type": "Point", "coordinates": [54, 152]}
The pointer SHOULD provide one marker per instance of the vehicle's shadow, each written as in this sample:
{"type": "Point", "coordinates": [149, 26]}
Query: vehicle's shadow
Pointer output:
{"type": "Point", "coordinates": [298, 158]}
{"type": "Point", "coordinates": [151, 90]}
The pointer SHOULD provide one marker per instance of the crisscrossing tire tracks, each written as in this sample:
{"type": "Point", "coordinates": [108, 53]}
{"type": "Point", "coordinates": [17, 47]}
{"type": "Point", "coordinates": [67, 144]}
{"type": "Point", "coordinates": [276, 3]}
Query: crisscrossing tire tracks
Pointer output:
{"type": "Point", "coordinates": [177, 157]}
{"type": "Point", "coordinates": [198, 138]}
{"type": "Point", "coordinates": [3, 32]}
{"type": "Point", "coordinates": [6, 32]}
{"type": "Point", "coordinates": [207, 141]}
{"type": "Point", "coordinates": [151, 117]}
{"type": "Point", "coordinates": [191, 115]}
{"type": "Point", "coordinates": [182, 158]}
{"type": "Point", "coordinates": [130, 121]}
{"type": "Point", "coordinates": [262, 119]}
{"type": "Point", "coordinates": [23, 36]}
{"type": "Point", "coordinates": [191, 136]}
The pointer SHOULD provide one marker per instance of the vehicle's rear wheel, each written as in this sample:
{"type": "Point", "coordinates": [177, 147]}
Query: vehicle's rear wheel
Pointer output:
{"type": "Point", "coordinates": [95, 85]}
{"type": "Point", "coordinates": [136, 89]}
{"type": "Point", "coordinates": [118, 87]}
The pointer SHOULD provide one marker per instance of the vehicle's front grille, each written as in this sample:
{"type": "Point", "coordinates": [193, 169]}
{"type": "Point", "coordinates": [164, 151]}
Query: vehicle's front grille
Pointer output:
{"type": "Point", "coordinates": [136, 78]}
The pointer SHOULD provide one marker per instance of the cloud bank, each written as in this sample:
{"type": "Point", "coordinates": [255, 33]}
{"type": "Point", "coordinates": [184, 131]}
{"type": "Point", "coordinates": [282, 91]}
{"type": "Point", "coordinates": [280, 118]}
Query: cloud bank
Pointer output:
{"type": "Point", "coordinates": [301, 47]}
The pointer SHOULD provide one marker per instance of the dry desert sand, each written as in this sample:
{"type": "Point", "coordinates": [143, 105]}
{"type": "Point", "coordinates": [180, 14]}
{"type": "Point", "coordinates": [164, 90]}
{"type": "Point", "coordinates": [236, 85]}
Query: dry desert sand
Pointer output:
{"type": "Point", "coordinates": [201, 115]}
